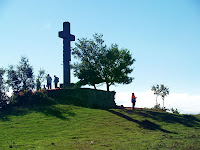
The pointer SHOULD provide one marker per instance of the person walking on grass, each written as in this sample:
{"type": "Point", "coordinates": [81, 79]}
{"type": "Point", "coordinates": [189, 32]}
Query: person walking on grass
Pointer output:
{"type": "Point", "coordinates": [49, 80]}
{"type": "Point", "coordinates": [133, 100]}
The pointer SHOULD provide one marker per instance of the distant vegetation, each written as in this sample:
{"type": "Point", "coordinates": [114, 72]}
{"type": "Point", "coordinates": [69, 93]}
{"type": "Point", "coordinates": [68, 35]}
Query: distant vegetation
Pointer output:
{"type": "Point", "coordinates": [160, 90]}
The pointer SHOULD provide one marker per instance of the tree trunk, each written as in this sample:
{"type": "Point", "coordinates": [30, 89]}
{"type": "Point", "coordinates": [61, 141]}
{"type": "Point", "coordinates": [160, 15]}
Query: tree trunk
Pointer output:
{"type": "Point", "coordinates": [156, 100]}
{"type": "Point", "coordinates": [107, 86]}
{"type": "Point", "coordinates": [94, 87]}
{"type": "Point", "coordinates": [163, 103]}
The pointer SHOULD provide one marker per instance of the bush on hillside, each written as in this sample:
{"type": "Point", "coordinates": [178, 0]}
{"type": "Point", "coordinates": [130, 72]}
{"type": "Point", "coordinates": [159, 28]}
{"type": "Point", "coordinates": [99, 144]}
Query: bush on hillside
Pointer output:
{"type": "Point", "coordinates": [28, 98]}
{"type": "Point", "coordinates": [175, 111]}
{"type": "Point", "coordinates": [157, 106]}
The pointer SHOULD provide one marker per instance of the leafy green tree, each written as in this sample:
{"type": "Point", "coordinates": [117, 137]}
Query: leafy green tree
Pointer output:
{"type": "Point", "coordinates": [101, 64]}
{"type": "Point", "coordinates": [21, 78]}
{"type": "Point", "coordinates": [13, 80]}
{"type": "Point", "coordinates": [88, 52]}
{"type": "Point", "coordinates": [87, 76]}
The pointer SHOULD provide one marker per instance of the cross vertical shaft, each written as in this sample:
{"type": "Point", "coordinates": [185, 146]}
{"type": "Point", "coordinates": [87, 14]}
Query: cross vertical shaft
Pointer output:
{"type": "Point", "coordinates": [67, 38]}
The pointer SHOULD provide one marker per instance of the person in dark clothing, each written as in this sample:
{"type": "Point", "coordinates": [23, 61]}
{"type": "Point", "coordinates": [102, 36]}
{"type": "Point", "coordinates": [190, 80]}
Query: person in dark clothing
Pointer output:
{"type": "Point", "coordinates": [49, 80]}
{"type": "Point", "coordinates": [56, 80]}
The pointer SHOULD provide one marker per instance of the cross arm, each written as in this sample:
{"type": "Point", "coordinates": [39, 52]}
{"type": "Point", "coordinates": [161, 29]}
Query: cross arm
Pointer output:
{"type": "Point", "coordinates": [70, 37]}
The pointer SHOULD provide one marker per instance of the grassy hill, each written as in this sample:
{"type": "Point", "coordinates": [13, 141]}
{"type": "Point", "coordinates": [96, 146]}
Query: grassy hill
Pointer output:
{"type": "Point", "coordinates": [64, 127]}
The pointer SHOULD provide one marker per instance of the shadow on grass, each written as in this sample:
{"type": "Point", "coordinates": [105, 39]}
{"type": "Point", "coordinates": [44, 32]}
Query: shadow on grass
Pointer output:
{"type": "Point", "coordinates": [51, 110]}
{"type": "Point", "coordinates": [187, 120]}
{"type": "Point", "coordinates": [55, 112]}
{"type": "Point", "coordinates": [146, 124]}
{"type": "Point", "coordinates": [6, 113]}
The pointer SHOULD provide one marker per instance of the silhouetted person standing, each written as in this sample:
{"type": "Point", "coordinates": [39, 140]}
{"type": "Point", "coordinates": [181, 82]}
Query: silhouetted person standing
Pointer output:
{"type": "Point", "coordinates": [133, 100]}
{"type": "Point", "coordinates": [56, 80]}
{"type": "Point", "coordinates": [49, 80]}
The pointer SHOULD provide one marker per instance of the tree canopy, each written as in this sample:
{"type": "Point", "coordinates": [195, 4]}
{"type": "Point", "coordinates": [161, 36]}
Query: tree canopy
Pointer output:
{"type": "Point", "coordinates": [101, 64]}
{"type": "Point", "coordinates": [21, 77]}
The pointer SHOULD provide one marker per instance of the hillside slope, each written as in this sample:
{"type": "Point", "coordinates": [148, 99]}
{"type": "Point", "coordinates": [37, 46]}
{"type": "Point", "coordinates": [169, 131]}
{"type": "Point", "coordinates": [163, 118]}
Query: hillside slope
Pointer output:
{"type": "Point", "coordinates": [71, 127]}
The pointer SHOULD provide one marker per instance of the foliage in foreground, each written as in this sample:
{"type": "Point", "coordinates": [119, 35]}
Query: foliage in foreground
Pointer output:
{"type": "Point", "coordinates": [70, 127]}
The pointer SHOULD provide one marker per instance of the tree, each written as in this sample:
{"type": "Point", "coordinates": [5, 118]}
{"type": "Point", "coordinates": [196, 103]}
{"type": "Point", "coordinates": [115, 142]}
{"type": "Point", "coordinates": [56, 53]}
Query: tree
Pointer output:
{"type": "Point", "coordinates": [164, 91]}
{"type": "Point", "coordinates": [88, 52]}
{"type": "Point", "coordinates": [3, 97]}
{"type": "Point", "coordinates": [101, 64]}
{"type": "Point", "coordinates": [156, 90]}
{"type": "Point", "coordinates": [22, 77]}
{"type": "Point", "coordinates": [40, 78]}
{"type": "Point", "coordinates": [2, 86]}
{"type": "Point", "coordinates": [13, 80]}
{"type": "Point", "coordinates": [160, 90]}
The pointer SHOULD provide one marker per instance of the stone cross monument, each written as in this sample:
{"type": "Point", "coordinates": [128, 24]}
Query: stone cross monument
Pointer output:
{"type": "Point", "coordinates": [67, 38]}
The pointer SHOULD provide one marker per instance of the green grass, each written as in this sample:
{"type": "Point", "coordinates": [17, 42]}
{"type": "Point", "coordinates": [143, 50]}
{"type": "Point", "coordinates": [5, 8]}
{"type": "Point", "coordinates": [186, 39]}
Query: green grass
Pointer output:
{"type": "Point", "coordinates": [64, 127]}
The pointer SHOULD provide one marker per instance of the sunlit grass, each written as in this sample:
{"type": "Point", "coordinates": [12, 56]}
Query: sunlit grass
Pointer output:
{"type": "Point", "coordinates": [71, 127]}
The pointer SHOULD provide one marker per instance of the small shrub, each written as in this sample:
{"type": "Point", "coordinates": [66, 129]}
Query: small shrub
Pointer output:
{"type": "Point", "coordinates": [157, 106]}
{"type": "Point", "coordinates": [175, 111]}
{"type": "Point", "coordinates": [41, 98]}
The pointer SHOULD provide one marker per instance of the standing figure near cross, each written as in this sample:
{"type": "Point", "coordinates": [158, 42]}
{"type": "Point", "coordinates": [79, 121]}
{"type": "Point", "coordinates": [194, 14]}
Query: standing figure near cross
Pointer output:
{"type": "Point", "coordinates": [67, 38]}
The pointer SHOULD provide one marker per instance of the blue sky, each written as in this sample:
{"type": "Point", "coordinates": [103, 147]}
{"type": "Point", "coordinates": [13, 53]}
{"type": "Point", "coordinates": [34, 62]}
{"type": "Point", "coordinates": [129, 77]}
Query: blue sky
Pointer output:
{"type": "Point", "coordinates": [162, 35]}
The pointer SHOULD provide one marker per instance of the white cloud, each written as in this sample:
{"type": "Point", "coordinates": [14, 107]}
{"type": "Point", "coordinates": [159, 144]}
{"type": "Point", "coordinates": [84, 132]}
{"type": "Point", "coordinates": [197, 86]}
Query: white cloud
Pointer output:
{"type": "Point", "coordinates": [185, 103]}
